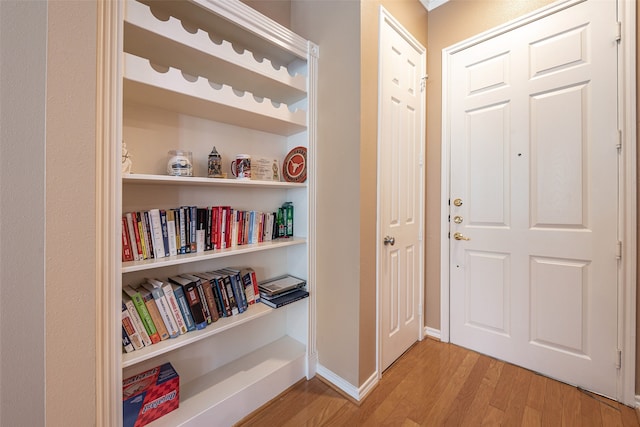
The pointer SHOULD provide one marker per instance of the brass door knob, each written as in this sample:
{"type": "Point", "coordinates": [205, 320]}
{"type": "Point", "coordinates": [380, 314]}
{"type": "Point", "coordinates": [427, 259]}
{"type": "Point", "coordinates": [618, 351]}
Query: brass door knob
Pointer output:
{"type": "Point", "coordinates": [460, 236]}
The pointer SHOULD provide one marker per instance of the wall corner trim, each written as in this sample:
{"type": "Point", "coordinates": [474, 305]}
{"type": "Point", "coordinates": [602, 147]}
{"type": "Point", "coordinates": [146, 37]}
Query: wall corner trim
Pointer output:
{"type": "Point", "coordinates": [432, 4]}
{"type": "Point", "coordinates": [356, 393]}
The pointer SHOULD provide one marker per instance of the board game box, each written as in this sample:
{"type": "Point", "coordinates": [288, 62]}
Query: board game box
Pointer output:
{"type": "Point", "coordinates": [150, 395]}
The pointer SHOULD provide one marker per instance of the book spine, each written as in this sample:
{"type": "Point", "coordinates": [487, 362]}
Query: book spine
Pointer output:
{"type": "Point", "coordinates": [127, 254]}
{"type": "Point", "coordinates": [156, 233]}
{"type": "Point", "coordinates": [137, 321]}
{"type": "Point", "coordinates": [184, 307]}
{"type": "Point", "coordinates": [203, 301]}
{"type": "Point", "coordinates": [224, 298]}
{"type": "Point", "coordinates": [141, 307]}
{"type": "Point", "coordinates": [229, 213]}
{"type": "Point", "coordinates": [148, 236]}
{"type": "Point", "coordinates": [165, 232]}
{"type": "Point", "coordinates": [211, 300]}
{"type": "Point", "coordinates": [207, 237]}
{"type": "Point", "coordinates": [127, 323]}
{"type": "Point", "coordinates": [132, 236]}
{"type": "Point", "coordinates": [248, 287]}
{"type": "Point", "coordinates": [175, 308]}
{"type": "Point", "coordinates": [152, 308]}
{"type": "Point", "coordinates": [233, 302]}
{"type": "Point", "coordinates": [165, 312]}
{"type": "Point", "coordinates": [201, 229]}
{"type": "Point", "coordinates": [238, 291]}
{"type": "Point", "coordinates": [193, 227]}
{"type": "Point", "coordinates": [171, 232]}
{"type": "Point", "coordinates": [141, 232]}
{"type": "Point", "coordinates": [223, 228]}
{"type": "Point", "coordinates": [183, 231]}
{"type": "Point", "coordinates": [191, 293]}
{"type": "Point", "coordinates": [126, 342]}
{"type": "Point", "coordinates": [256, 289]}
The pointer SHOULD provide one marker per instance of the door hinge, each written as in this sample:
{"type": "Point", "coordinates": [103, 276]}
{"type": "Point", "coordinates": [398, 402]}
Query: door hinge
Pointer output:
{"type": "Point", "coordinates": [619, 250]}
{"type": "Point", "coordinates": [619, 143]}
{"type": "Point", "coordinates": [619, 359]}
{"type": "Point", "coordinates": [423, 83]}
{"type": "Point", "coordinates": [618, 31]}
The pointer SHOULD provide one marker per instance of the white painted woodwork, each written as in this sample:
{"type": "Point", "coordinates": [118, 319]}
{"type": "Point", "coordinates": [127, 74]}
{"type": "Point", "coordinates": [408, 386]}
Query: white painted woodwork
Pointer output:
{"type": "Point", "coordinates": [197, 74]}
{"type": "Point", "coordinates": [534, 160]}
{"type": "Point", "coordinates": [400, 172]}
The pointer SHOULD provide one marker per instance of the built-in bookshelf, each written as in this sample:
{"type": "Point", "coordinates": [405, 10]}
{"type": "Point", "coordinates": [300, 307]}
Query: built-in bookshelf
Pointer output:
{"type": "Point", "coordinates": [198, 74]}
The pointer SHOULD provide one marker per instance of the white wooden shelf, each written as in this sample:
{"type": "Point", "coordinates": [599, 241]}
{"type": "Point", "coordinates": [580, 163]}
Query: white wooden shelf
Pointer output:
{"type": "Point", "coordinates": [225, 395]}
{"type": "Point", "coordinates": [147, 179]}
{"type": "Point", "coordinates": [169, 43]}
{"type": "Point", "coordinates": [222, 324]}
{"type": "Point", "coordinates": [149, 264]}
{"type": "Point", "coordinates": [196, 96]}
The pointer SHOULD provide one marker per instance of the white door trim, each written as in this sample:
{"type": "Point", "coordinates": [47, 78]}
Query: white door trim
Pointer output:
{"type": "Point", "coordinates": [385, 16]}
{"type": "Point", "coordinates": [628, 187]}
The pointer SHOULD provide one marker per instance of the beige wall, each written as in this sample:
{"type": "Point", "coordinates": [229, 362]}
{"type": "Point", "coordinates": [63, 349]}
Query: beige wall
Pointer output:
{"type": "Point", "coordinates": [70, 213]}
{"type": "Point", "coordinates": [23, 31]}
{"type": "Point", "coordinates": [347, 32]}
{"type": "Point", "coordinates": [47, 213]}
{"type": "Point", "coordinates": [449, 24]}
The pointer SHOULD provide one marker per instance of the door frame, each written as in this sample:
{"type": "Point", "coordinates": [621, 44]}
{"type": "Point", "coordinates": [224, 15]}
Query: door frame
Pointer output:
{"type": "Point", "coordinates": [627, 208]}
{"type": "Point", "coordinates": [386, 17]}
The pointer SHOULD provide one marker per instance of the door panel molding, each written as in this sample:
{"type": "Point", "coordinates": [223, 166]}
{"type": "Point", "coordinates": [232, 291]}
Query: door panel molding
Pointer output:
{"type": "Point", "coordinates": [627, 220]}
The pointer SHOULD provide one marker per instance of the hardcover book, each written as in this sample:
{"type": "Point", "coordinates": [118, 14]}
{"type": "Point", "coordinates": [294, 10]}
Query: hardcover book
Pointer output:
{"type": "Point", "coordinates": [285, 299]}
{"type": "Point", "coordinates": [193, 299]}
{"type": "Point", "coordinates": [140, 305]}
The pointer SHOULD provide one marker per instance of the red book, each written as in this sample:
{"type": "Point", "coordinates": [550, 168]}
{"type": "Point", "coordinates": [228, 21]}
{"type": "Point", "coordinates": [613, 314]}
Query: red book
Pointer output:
{"type": "Point", "coordinates": [127, 254]}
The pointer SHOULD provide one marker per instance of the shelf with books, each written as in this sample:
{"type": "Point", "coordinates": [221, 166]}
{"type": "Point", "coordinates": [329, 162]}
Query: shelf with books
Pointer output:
{"type": "Point", "coordinates": [149, 264]}
{"type": "Point", "coordinates": [190, 69]}
{"type": "Point", "coordinates": [149, 179]}
{"type": "Point", "coordinates": [253, 312]}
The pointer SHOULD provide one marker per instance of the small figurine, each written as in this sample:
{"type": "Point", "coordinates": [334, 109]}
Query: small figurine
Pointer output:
{"type": "Point", "coordinates": [126, 159]}
{"type": "Point", "coordinates": [215, 164]}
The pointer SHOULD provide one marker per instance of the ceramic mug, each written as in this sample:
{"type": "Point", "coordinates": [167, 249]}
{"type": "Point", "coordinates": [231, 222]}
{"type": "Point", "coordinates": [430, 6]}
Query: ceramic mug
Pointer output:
{"type": "Point", "coordinates": [241, 166]}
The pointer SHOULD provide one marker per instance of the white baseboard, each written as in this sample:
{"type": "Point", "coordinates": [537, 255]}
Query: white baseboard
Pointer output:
{"type": "Point", "coordinates": [637, 403]}
{"type": "Point", "coordinates": [431, 332]}
{"type": "Point", "coordinates": [357, 393]}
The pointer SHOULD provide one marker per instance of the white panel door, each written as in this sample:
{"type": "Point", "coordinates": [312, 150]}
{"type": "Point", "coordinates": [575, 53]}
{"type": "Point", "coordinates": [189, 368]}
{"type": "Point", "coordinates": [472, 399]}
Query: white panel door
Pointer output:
{"type": "Point", "coordinates": [400, 174]}
{"type": "Point", "coordinates": [534, 166]}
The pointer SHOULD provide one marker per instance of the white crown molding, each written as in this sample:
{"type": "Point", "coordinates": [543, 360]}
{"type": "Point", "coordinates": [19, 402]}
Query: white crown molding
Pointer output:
{"type": "Point", "coordinates": [432, 4]}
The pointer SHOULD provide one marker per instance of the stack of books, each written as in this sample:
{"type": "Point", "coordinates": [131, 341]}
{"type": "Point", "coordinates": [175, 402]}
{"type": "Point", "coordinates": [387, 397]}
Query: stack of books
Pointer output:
{"type": "Point", "coordinates": [282, 290]}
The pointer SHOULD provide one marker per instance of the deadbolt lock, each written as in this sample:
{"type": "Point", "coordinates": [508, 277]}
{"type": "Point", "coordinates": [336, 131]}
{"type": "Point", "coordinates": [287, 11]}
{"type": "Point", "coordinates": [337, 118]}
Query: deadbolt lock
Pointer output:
{"type": "Point", "coordinates": [457, 202]}
{"type": "Point", "coordinates": [457, 219]}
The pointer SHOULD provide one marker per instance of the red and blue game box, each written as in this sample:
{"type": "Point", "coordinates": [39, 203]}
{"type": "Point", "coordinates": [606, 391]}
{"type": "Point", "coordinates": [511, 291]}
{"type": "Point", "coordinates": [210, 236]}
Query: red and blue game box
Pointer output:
{"type": "Point", "coordinates": [150, 395]}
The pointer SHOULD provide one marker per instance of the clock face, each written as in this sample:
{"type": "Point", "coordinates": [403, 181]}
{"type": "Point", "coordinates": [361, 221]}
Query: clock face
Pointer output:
{"type": "Point", "coordinates": [294, 168]}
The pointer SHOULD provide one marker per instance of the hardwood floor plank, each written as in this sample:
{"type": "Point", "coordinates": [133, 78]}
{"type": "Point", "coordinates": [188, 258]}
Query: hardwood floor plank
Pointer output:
{"type": "Point", "coordinates": [535, 399]}
{"type": "Point", "coordinates": [436, 384]}
{"type": "Point", "coordinates": [467, 393]}
{"type": "Point", "coordinates": [502, 393]}
{"type": "Point", "coordinates": [590, 411]}
{"type": "Point", "coordinates": [518, 399]}
{"type": "Point", "coordinates": [531, 417]}
{"type": "Point", "coordinates": [571, 406]}
{"type": "Point", "coordinates": [552, 413]}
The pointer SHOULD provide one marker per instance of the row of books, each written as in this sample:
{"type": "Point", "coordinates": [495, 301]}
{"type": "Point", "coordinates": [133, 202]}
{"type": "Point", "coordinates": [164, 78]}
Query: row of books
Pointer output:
{"type": "Point", "coordinates": [159, 233]}
{"type": "Point", "coordinates": [157, 310]}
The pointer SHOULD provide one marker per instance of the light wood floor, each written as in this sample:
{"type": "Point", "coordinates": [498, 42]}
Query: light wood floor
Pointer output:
{"type": "Point", "coordinates": [437, 384]}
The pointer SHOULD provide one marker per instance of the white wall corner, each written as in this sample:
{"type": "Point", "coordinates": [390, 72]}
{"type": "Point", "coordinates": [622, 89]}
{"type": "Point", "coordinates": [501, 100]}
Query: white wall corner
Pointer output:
{"type": "Point", "coordinates": [432, 4]}
{"type": "Point", "coordinates": [349, 389]}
